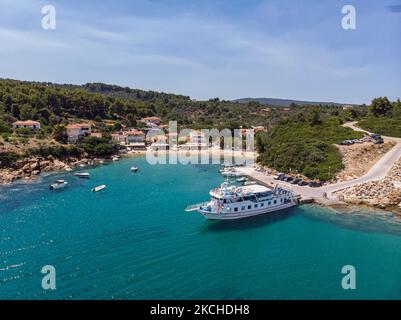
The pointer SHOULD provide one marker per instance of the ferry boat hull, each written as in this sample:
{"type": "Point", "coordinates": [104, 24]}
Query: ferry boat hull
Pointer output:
{"type": "Point", "coordinates": [242, 215]}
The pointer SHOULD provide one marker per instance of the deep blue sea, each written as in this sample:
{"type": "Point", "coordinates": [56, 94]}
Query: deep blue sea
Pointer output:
{"type": "Point", "coordinates": [135, 241]}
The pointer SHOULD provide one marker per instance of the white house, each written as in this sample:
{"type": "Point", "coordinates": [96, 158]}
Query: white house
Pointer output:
{"type": "Point", "coordinates": [151, 122]}
{"type": "Point", "coordinates": [77, 131]}
{"type": "Point", "coordinates": [197, 141]}
{"type": "Point", "coordinates": [30, 124]}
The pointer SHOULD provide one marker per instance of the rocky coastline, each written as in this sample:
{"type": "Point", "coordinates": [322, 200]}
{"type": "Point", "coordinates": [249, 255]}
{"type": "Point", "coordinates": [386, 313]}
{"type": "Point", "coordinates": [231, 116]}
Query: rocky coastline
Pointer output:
{"type": "Point", "coordinates": [383, 194]}
{"type": "Point", "coordinates": [29, 168]}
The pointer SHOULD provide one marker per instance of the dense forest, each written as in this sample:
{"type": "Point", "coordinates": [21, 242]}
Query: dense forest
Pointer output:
{"type": "Point", "coordinates": [54, 104]}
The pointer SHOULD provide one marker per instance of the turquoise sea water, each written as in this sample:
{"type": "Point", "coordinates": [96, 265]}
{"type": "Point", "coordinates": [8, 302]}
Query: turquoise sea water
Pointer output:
{"type": "Point", "coordinates": [135, 241]}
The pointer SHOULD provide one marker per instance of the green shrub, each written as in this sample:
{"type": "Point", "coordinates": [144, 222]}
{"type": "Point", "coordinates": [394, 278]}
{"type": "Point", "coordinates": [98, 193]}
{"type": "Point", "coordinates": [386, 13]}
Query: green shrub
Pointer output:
{"type": "Point", "coordinates": [7, 159]}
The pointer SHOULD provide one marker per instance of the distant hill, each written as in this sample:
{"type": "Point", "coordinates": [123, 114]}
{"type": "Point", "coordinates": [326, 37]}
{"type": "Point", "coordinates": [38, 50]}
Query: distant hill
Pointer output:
{"type": "Point", "coordinates": [284, 102]}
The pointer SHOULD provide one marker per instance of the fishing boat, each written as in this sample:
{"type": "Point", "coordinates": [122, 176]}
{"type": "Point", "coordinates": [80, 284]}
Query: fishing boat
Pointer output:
{"type": "Point", "coordinates": [229, 202]}
{"type": "Point", "coordinates": [82, 175]}
{"type": "Point", "coordinates": [59, 184]}
{"type": "Point", "coordinates": [99, 188]}
{"type": "Point", "coordinates": [134, 169]}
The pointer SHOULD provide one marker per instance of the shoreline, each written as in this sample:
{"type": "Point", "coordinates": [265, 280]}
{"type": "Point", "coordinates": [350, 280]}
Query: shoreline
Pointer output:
{"type": "Point", "coordinates": [315, 195]}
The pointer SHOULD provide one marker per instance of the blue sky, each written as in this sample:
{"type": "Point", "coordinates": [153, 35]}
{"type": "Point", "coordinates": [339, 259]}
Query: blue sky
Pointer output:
{"type": "Point", "coordinates": [210, 48]}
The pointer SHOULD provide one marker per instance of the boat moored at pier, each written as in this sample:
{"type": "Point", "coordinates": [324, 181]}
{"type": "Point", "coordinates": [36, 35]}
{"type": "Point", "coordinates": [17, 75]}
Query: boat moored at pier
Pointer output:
{"type": "Point", "coordinates": [231, 202]}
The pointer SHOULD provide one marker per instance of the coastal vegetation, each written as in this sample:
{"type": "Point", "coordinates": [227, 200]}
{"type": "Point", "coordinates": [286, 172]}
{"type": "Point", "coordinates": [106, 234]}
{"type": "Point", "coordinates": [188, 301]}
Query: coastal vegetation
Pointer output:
{"type": "Point", "coordinates": [305, 145]}
{"type": "Point", "coordinates": [299, 138]}
{"type": "Point", "coordinates": [384, 117]}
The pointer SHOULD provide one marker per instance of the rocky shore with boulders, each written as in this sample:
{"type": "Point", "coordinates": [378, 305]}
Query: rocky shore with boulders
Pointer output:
{"type": "Point", "coordinates": [29, 168]}
{"type": "Point", "coordinates": [383, 194]}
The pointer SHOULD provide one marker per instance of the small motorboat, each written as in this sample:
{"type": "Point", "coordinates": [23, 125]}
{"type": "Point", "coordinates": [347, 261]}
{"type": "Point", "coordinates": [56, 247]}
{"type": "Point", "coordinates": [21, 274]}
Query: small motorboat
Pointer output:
{"type": "Point", "coordinates": [134, 169]}
{"type": "Point", "coordinates": [231, 174]}
{"type": "Point", "coordinates": [99, 188]}
{"type": "Point", "coordinates": [82, 165]}
{"type": "Point", "coordinates": [242, 179]}
{"type": "Point", "coordinates": [102, 162]}
{"type": "Point", "coordinates": [115, 158]}
{"type": "Point", "coordinates": [82, 175]}
{"type": "Point", "coordinates": [59, 184]}
{"type": "Point", "coordinates": [249, 183]}
{"type": "Point", "coordinates": [68, 169]}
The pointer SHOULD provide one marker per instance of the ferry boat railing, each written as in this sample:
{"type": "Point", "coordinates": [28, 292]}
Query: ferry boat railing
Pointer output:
{"type": "Point", "coordinates": [197, 206]}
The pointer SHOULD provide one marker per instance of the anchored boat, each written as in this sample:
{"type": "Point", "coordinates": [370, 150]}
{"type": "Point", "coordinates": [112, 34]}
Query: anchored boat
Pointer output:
{"type": "Point", "coordinates": [231, 202]}
{"type": "Point", "coordinates": [59, 184]}
{"type": "Point", "coordinates": [99, 188]}
{"type": "Point", "coordinates": [82, 175]}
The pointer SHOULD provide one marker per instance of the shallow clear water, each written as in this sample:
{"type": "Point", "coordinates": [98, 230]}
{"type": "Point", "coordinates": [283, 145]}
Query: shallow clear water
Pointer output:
{"type": "Point", "coordinates": [135, 241]}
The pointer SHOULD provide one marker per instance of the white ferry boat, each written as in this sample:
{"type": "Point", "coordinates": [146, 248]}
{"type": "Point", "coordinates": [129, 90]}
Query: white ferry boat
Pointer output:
{"type": "Point", "coordinates": [231, 202]}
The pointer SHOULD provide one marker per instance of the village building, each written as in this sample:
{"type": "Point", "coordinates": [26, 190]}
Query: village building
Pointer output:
{"type": "Point", "coordinates": [77, 131]}
{"type": "Point", "coordinates": [197, 141]}
{"type": "Point", "coordinates": [29, 124]}
{"type": "Point", "coordinates": [118, 138]}
{"type": "Point", "coordinates": [135, 139]}
{"type": "Point", "coordinates": [151, 121]}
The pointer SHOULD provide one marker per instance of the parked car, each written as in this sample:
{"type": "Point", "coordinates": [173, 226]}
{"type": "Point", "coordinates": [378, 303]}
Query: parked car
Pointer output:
{"type": "Point", "coordinates": [283, 177]}
{"type": "Point", "coordinates": [302, 183]}
{"type": "Point", "coordinates": [376, 136]}
{"type": "Point", "coordinates": [278, 176]}
{"type": "Point", "coordinates": [295, 181]}
{"type": "Point", "coordinates": [288, 179]}
{"type": "Point", "coordinates": [378, 141]}
{"type": "Point", "coordinates": [315, 184]}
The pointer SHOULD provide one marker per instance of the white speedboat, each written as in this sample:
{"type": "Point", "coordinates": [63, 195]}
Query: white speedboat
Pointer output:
{"type": "Point", "coordinates": [99, 188]}
{"type": "Point", "coordinates": [68, 169]}
{"type": "Point", "coordinates": [249, 183]}
{"type": "Point", "coordinates": [59, 184]}
{"type": "Point", "coordinates": [115, 158]}
{"type": "Point", "coordinates": [134, 169]}
{"type": "Point", "coordinates": [230, 174]}
{"type": "Point", "coordinates": [82, 174]}
{"type": "Point", "coordinates": [242, 179]}
{"type": "Point", "coordinates": [230, 202]}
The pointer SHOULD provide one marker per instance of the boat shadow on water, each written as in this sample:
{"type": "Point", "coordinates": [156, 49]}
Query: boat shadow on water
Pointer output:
{"type": "Point", "coordinates": [249, 222]}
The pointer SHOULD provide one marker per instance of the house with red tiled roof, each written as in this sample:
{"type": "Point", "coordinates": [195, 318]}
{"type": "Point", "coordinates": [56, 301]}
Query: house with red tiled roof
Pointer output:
{"type": "Point", "coordinates": [30, 124]}
{"type": "Point", "coordinates": [77, 131]}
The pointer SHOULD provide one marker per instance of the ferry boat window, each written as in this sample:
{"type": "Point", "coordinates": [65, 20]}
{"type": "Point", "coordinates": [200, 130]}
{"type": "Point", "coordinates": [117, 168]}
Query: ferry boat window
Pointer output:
{"type": "Point", "coordinates": [236, 209]}
{"type": "Point", "coordinates": [243, 208]}
{"type": "Point", "coordinates": [249, 207]}
{"type": "Point", "coordinates": [269, 203]}
{"type": "Point", "coordinates": [262, 204]}
{"type": "Point", "coordinates": [275, 201]}
{"type": "Point", "coordinates": [256, 205]}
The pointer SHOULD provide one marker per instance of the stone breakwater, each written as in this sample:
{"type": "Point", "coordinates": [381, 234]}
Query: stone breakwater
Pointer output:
{"type": "Point", "coordinates": [28, 168]}
{"type": "Point", "coordinates": [384, 194]}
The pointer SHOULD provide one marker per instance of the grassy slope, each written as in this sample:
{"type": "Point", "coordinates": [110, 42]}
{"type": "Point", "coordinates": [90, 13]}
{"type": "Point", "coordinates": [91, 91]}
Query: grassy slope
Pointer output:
{"type": "Point", "coordinates": [382, 125]}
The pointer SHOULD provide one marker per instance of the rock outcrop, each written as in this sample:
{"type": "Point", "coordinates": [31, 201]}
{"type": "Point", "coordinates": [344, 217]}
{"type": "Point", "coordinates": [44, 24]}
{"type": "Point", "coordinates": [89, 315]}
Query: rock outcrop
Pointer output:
{"type": "Point", "coordinates": [382, 194]}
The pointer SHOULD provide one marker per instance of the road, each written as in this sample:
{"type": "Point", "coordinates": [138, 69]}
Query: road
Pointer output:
{"type": "Point", "coordinates": [377, 172]}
